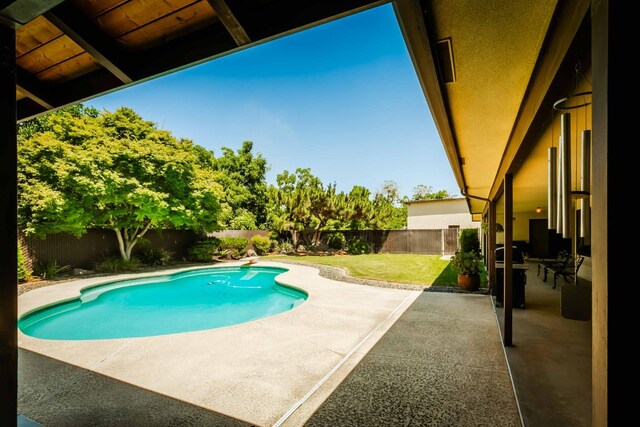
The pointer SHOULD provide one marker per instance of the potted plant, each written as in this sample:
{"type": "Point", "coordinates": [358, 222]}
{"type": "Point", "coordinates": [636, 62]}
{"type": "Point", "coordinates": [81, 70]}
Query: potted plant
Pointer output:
{"type": "Point", "coordinates": [467, 264]}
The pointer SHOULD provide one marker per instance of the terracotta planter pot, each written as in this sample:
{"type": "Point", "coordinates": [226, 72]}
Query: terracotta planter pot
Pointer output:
{"type": "Point", "coordinates": [469, 282]}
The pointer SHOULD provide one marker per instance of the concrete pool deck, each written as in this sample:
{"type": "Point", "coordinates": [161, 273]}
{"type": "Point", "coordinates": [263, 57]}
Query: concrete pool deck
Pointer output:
{"type": "Point", "coordinates": [254, 372]}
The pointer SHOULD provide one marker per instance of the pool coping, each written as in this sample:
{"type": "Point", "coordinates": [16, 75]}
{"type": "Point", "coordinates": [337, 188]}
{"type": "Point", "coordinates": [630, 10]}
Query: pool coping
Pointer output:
{"type": "Point", "coordinates": [328, 334]}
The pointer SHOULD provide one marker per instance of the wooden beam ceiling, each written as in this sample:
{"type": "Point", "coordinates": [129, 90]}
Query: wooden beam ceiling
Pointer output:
{"type": "Point", "coordinates": [240, 24]}
{"type": "Point", "coordinates": [80, 29]}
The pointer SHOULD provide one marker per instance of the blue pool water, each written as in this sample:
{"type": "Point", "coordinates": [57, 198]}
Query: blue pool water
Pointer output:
{"type": "Point", "coordinates": [188, 301]}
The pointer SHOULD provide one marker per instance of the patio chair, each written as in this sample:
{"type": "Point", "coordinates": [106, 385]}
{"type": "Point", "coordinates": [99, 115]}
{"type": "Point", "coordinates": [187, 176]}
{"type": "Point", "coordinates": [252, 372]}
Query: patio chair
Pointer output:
{"type": "Point", "coordinates": [569, 271]}
{"type": "Point", "coordinates": [562, 261]}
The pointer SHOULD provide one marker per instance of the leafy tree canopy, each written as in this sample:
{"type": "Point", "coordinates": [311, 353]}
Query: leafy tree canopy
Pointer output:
{"type": "Point", "coordinates": [242, 174]}
{"type": "Point", "coordinates": [79, 169]}
{"type": "Point", "coordinates": [425, 192]}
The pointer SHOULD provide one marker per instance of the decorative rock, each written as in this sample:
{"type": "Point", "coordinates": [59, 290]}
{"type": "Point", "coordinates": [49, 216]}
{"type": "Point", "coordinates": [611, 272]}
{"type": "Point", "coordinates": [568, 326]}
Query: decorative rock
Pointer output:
{"type": "Point", "coordinates": [251, 252]}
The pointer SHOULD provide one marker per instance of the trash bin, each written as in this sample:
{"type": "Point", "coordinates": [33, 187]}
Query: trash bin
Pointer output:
{"type": "Point", "coordinates": [519, 277]}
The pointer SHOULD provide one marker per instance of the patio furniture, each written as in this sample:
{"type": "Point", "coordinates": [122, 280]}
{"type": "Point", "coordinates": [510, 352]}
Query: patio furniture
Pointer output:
{"type": "Point", "coordinates": [519, 277]}
{"type": "Point", "coordinates": [568, 271]}
{"type": "Point", "coordinates": [559, 263]}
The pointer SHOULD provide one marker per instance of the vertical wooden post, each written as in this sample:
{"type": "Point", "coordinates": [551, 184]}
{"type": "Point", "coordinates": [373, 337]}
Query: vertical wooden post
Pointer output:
{"type": "Point", "coordinates": [508, 259]}
{"type": "Point", "coordinates": [8, 230]}
{"type": "Point", "coordinates": [491, 237]}
{"type": "Point", "coordinates": [611, 166]}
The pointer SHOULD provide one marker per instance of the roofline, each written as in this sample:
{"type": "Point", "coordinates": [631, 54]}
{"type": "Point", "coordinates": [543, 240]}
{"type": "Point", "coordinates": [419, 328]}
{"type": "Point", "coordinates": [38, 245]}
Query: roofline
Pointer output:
{"type": "Point", "coordinates": [435, 200]}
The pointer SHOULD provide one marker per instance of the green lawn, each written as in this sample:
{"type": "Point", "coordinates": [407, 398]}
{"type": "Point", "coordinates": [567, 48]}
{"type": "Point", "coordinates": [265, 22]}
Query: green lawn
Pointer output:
{"type": "Point", "coordinates": [402, 268]}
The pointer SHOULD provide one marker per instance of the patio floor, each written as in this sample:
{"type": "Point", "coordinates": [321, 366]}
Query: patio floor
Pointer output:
{"type": "Point", "coordinates": [356, 355]}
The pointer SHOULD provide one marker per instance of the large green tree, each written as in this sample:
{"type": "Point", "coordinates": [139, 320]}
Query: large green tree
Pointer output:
{"type": "Point", "coordinates": [242, 174]}
{"type": "Point", "coordinates": [389, 196]}
{"type": "Point", "coordinates": [289, 208]}
{"type": "Point", "coordinates": [80, 169]}
{"type": "Point", "coordinates": [303, 206]}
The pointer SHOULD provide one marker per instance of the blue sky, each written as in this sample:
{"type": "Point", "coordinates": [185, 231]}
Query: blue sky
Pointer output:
{"type": "Point", "coordinates": [342, 99]}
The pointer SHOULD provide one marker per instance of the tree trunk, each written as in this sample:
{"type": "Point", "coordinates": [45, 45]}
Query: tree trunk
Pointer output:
{"type": "Point", "coordinates": [121, 244]}
{"type": "Point", "coordinates": [126, 242]}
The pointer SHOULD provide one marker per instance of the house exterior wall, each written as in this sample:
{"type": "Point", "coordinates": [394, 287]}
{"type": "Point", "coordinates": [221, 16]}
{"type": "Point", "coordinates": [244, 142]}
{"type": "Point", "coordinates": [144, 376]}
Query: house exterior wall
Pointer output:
{"type": "Point", "coordinates": [439, 214]}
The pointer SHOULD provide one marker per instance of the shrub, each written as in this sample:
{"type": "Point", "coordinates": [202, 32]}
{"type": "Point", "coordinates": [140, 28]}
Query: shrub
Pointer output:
{"type": "Point", "coordinates": [233, 246]}
{"type": "Point", "coordinates": [261, 244]}
{"type": "Point", "coordinates": [469, 241]}
{"type": "Point", "coordinates": [116, 264]}
{"type": "Point", "coordinates": [336, 241]}
{"type": "Point", "coordinates": [23, 272]}
{"type": "Point", "coordinates": [51, 270]}
{"type": "Point", "coordinates": [466, 263]}
{"type": "Point", "coordinates": [285, 247]}
{"type": "Point", "coordinates": [156, 257]}
{"type": "Point", "coordinates": [204, 250]}
{"type": "Point", "coordinates": [358, 246]}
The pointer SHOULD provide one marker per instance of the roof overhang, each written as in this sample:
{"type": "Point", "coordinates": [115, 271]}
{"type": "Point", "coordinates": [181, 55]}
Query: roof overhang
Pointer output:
{"type": "Point", "coordinates": [490, 115]}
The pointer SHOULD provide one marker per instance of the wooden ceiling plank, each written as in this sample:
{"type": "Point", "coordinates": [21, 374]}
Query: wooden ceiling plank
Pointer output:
{"type": "Point", "coordinates": [131, 16]}
{"type": "Point", "coordinates": [230, 22]}
{"type": "Point", "coordinates": [34, 88]}
{"type": "Point", "coordinates": [77, 27]}
{"type": "Point", "coordinates": [49, 55]}
{"type": "Point", "coordinates": [169, 27]}
{"type": "Point", "coordinates": [34, 35]}
{"type": "Point", "coordinates": [69, 69]}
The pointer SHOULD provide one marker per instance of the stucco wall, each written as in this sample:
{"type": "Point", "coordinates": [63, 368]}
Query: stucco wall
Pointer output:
{"type": "Point", "coordinates": [438, 214]}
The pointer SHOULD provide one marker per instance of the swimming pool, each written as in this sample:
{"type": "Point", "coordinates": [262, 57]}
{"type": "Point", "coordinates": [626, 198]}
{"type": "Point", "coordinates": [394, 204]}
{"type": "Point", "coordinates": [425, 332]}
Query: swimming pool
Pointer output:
{"type": "Point", "coordinates": [191, 300]}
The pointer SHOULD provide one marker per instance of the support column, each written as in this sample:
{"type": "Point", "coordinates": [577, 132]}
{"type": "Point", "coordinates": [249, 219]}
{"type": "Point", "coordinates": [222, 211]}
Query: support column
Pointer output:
{"type": "Point", "coordinates": [508, 259]}
{"type": "Point", "coordinates": [8, 230]}
{"type": "Point", "coordinates": [607, 366]}
{"type": "Point", "coordinates": [491, 256]}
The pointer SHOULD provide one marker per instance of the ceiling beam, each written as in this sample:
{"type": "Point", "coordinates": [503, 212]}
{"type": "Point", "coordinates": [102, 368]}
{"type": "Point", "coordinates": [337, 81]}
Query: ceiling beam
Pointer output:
{"type": "Point", "coordinates": [79, 28]}
{"type": "Point", "coordinates": [230, 22]}
{"type": "Point", "coordinates": [34, 88]}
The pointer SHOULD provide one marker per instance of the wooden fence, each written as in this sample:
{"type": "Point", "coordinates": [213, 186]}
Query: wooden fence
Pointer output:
{"type": "Point", "coordinates": [97, 244]}
{"type": "Point", "coordinates": [429, 242]}
{"type": "Point", "coordinates": [83, 252]}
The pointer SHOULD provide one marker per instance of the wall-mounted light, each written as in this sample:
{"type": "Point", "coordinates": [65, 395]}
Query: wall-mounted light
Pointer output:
{"type": "Point", "coordinates": [538, 209]}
